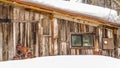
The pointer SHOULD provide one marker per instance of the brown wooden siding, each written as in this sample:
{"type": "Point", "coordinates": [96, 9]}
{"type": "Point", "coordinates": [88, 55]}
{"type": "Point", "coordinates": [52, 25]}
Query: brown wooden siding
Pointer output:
{"type": "Point", "coordinates": [45, 35]}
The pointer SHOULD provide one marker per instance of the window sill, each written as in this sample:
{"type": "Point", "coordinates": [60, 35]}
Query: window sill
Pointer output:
{"type": "Point", "coordinates": [85, 47]}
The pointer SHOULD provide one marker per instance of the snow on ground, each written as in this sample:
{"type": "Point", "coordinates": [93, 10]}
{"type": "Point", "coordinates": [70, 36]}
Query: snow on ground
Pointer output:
{"type": "Point", "coordinates": [80, 8]}
{"type": "Point", "coordinates": [81, 61]}
{"type": "Point", "coordinates": [76, 1]}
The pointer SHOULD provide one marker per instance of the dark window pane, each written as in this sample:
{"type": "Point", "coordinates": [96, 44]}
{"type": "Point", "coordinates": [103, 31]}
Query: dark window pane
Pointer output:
{"type": "Point", "coordinates": [76, 40]}
{"type": "Point", "coordinates": [87, 40]}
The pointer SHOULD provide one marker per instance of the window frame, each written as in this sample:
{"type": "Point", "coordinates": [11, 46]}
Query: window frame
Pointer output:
{"type": "Point", "coordinates": [73, 46]}
{"type": "Point", "coordinates": [81, 40]}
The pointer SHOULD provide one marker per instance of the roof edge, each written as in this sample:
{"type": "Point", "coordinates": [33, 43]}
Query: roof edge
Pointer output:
{"type": "Point", "coordinates": [47, 9]}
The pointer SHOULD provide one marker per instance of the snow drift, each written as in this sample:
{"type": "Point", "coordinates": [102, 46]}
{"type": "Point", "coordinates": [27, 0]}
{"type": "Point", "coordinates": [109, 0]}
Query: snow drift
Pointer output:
{"type": "Point", "coordinates": [81, 61]}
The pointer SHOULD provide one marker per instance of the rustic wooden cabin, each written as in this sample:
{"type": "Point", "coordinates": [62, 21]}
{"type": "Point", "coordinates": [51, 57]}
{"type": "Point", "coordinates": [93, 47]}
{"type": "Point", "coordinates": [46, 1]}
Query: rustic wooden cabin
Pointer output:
{"type": "Point", "coordinates": [49, 31]}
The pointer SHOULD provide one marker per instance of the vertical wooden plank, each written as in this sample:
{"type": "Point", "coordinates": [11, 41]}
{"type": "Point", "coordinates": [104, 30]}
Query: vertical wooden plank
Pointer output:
{"type": "Point", "coordinates": [63, 40]}
{"type": "Point", "coordinates": [26, 14]}
{"type": "Point", "coordinates": [16, 12]}
{"type": "Point", "coordinates": [21, 33]}
{"type": "Point", "coordinates": [60, 32]}
{"type": "Point", "coordinates": [1, 36]}
{"type": "Point", "coordinates": [3, 47]}
{"type": "Point", "coordinates": [10, 42]}
{"type": "Point", "coordinates": [65, 37]}
{"type": "Point", "coordinates": [52, 33]}
{"type": "Point", "coordinates": [55, 36]}
{"type": "Point", "coordinates": [5, 42]}
{"type": "Point", "coordinates": [4, 12]}
{"type": "Point", "coordinates": [15, 17]}
{"type": "Point", "coordinates": [14, 38]}
{"type": "Point", "coordinates": [1, 40]}
{"type": "Point", "coordinates": [61, 36]}
{"type": "Point", "coordinates": [10, 34]}
{"type": "Point", "coordinates": [37, 17]}
{"type": "Point", "coordinates": [72, 51]}
{"type": "Point", "coordinates": [41, 36]}
{"type": "Point", "coordinates": [68, 37]}
{"type": "Point", "coordinates": [82, 28]}
{"type": "Point", "coordinates": [50, 37]}
{"type": "Point", "coordinates": [100, 39]}
{"type": "Point", "coordinates": [91, 29]}
{"type": "Point", "coordinates": [115, 42]}
{"type": "Point", "coordinates": [64, 48]}
{"type": "Point", "coordinates": [22, 17]}
{"type": "Point", "coordinates": [24, 33]}
{"type": "Point", "coordinates": [17, 32]}
{"type": "Point", "coordinates": [58, 21]}
{"type": "Point", "coordinates": [32, 38]}
{"type": "Point", "coordinates": [78, 52]}
{"type": "Point", "coordinates": [75, 27]}
{"type": "Point", "coordinates": [43, 46]}
{"type": "Point", "coordinates": [96, 45]}
{"type": "Point", "coordinates": [47, 46]}
{"type": "Point", "coordinates": [22, 14]}
{"type": "Point", "coordinates": [39, 39]}
{"type": "Point", "coordinates": [46, 35]}
{"type": "Point", "coordinates": [1, 11]}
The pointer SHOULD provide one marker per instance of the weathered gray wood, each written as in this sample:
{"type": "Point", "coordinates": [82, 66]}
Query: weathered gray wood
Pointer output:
{"type": "Point", "coordinates": [10, 42]}
{"type": "Point", "coordinates": [37, 17]}
{"type": "Point", "coordinates": [55, 37]}
{"type": "Point", "coordinates": [14, 38]}
{"type": "Point", "coordinates": [39, 39]}
{"type": "Point", "coordinates": [49, 37]}
{"type": "Point", "coordinates": [72, 51]}
{"type": "Point", "coordinates": [1, 40]}
{"type": "Point", "coordinates": [5, 42]}
{"type": "Point", "coordinates": [68, 37]}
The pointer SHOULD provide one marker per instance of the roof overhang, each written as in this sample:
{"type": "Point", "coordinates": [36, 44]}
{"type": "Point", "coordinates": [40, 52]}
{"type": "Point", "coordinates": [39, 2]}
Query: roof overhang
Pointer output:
{"type": "Point", "coordinates": [50, 10]}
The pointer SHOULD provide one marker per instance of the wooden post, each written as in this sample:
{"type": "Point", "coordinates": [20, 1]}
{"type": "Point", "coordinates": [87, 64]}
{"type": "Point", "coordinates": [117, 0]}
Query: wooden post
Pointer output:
{"type": "Point", "coordinates": [14, 38]}
{"type": "Point", "coordinates": [96, 45]}
{"type": "Point", "coordinates": [55, 36]}
{"type": "Point", "coordinates": [115, 42]}
{"type": "Point", "coordinates": [100, 39]}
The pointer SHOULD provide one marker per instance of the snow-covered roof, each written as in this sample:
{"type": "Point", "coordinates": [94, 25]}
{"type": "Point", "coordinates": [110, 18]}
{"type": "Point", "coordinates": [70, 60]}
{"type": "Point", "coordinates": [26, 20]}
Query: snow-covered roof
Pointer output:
{"type": "Point", "coordinates": [80, 8]}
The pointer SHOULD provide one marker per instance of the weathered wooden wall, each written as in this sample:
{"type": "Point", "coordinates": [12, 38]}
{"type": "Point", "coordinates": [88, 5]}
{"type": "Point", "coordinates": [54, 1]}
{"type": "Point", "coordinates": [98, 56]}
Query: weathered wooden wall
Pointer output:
{"type": "Point", "coordinates": [31, 29]}
{"type": "Point", "coordinates": [5, 32]}
{"type": "Point", "coordinates": [106, 33]}
{"type": "Point", "coordinates": [112, 4]}
{"type": "Point", "coordinates": [65, 29]}
{"type": "Point", "coordinates": [44, 34]}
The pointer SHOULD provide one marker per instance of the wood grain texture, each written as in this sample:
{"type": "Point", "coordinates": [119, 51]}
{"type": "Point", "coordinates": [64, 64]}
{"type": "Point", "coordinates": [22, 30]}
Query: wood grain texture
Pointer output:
{"type": "Point", "coordinates": [46, 35]}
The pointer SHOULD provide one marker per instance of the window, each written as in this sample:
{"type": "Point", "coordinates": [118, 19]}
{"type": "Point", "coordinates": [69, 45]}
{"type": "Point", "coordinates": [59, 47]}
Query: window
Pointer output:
{"type": "Point", "coordinates": [80, 40]}
{"type": "Point", "coordinates": [77, 40]}
{"type": "Point", "coordinates": [87, 40]}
